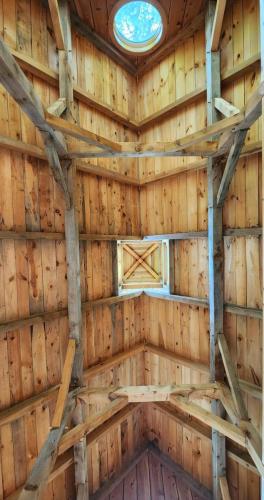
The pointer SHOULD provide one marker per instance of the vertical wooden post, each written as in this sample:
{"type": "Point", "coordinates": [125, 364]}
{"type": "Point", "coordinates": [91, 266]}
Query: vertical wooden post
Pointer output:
{"type": "Point", "coordinates": [73, 256]}
{"type": "Point", "coordinates": [261, 13]}
{"type": "Point", "coordinates": [172, 266]}
{"type": "Point", "coordinates": [215, 249]}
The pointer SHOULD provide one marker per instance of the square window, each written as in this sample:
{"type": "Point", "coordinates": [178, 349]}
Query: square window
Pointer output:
{"type": "Point", "coordinates": [143, 265]}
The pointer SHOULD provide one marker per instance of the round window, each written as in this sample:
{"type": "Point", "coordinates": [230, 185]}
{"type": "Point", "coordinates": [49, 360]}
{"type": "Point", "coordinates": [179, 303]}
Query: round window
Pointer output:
{"type": "Point", "coordinates": [137, 26]}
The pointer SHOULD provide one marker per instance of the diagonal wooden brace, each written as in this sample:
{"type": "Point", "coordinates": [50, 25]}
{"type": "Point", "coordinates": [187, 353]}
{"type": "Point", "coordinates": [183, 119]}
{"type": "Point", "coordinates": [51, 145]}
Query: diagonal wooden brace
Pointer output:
{"type": "Point", "coordinates": [140, 260]}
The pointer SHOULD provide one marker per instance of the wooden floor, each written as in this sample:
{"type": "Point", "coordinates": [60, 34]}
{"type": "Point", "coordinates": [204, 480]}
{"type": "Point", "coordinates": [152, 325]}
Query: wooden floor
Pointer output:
{"type": "Point", "coordinates": [154, 477]}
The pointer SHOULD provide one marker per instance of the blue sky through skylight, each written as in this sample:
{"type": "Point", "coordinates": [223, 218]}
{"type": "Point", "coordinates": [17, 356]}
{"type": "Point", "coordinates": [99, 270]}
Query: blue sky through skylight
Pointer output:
{"type": "Point", "coordinates": [138, 22]}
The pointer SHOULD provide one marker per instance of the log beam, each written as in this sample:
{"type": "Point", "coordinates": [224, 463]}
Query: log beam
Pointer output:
{"type": "Point", "coordinates": [217, 24]}
{"type": "Point", "coordinates": [73, 256]}
{"type": "Point", "coordinates": [217, 423]}
{"type": "Point", "coordinates": [215, 249]}
{"type": "Point", "coordinates": [155, 393]}
{"type": "Point", "coordinates": [226, 108]}
{"type": "Point", "coordinates": [22, 91]}
{"type": "Point", "coordinates": [232, 160]}
{"type": "Point", "coordinates": [224, 488]}
{"type": "Point", "coordinates": [65, 385]}
{"type": "Point", "coordinates": [232, 377]}
{"type": "Point", "coordinates": [45, 461]}
{"type": "Point", "coordinates": [57, 24]}
{"type": "Point", "coordinates": [261, 17]}
{"type": "Point", "coordinates": [57, 107]}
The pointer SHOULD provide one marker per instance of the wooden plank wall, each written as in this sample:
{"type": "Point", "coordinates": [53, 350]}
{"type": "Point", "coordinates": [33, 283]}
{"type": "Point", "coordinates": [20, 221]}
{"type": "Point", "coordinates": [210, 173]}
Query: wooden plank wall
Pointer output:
{"type": "Point", "coordinates": [33, 274]}
{"type": "Point", "coordinates": [192, 450]}
{"type": "Point", "coordinates": [179, 204]}
{"type": "Point", "coordinates": [179, 74]}
{"type": "Point", "coordinates": [27, 28]}
{"type": "Point", "coordinates": [113, 449]}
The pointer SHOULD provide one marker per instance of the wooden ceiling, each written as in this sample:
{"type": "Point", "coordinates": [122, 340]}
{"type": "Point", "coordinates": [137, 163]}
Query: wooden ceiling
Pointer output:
{"type": "Point", "coordinates": [96, 14]}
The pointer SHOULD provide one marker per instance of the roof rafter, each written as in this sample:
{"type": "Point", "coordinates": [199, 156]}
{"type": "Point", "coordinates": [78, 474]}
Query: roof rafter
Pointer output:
{"type": "Point", "coordinates": [22, 91]}
{"type": "Point", "coordinates": [57, 24]}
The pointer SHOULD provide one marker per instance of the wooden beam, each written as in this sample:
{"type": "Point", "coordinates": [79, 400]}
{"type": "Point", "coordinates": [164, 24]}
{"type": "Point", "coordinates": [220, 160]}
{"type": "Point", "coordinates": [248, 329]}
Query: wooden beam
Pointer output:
{"type": "Point", "coordinates": [73, 130]}
{"type": "Point", "coordinates": [154, 393]}
{"type": "Point", "coordinates": [196, 165]}
{"type": "Point", "coordinates": [41, 71]}
{"type": "Point", "coordinates": [227, 401]}
{"type": "Point", "coordinates": [226, 108]}
{"type": "Point", "coordinates": [45, 461]}
{"type": "Point", "coordinates": [202, 368]}
{"type": "Point", "coordinates": [252, 63]}
{"type": "Point", "coordinates": [82, 166]}
{"type": "Point", "coordinates": [41, 235]}
{"type": "Point", "coordinates": [171, 109]}
{"type": "Point", "coordinates": [21, 409]}
{"type": "Point", "coordinates": [73, 280]}
{"type": "Point", "coordinates": [80, 455]}
{"type": "Point", "coordinates": [231, 164]}
{"type": "Point", "coordinates": [177, 236]}
{"type": "Point", "coordinates": [65, 384]}
{"type": "Point", "coordinates": [224, 488]}
{"type": "Point", "coordinates": [243, 311]}
{"type": "Point", "coordinates": [217, 25]}
{"type": "Point", "coordinates": [222, 426]}
{"type": "Point", "coordinates": [215, 249]}
{"type": "Point", "coordinates": [254, 445]}
{"type": "Point", "coordinates": [22, 147]}
{"type": "Point", "coordinates": [252, 389]}
{"type": "Point", "coordinates": [195, 301]}
{"type": "Point", "coordinates": [56, 167]}
{"type": "Point", "coordinates": [45, 73]}
{"type": "Point", "coordinates": [204, 432]}
{"type": "Point", "coordinates": [57, 25]}
{"type": "Point", "coordinates": [57, 107]}
{"type": "Point", "coordinates": [73, 259]}
{"type": "Point", "coordinates": [202, 302]}
{"type": "Point", "coordinates": [261, 17]}
{"type": "Point", "coordinates": [228, 232]}
{"type": "Point", "coordinates": [8, 326]}
{"type": "Point", "coordinates": [227, 76]}
{"type": "Point", "coordinates": [149, 150]}
{"type": "Point", "coordinates": [99, 170]}
{"type": "Point", "coordinates": [65, 460]}
{"type": "Point", "coordinates": [253, 107]}
{"type": "Point", "coordinates": [105, 108]}
{"type": "Point", "coordinates": [232, 377]}
{"type": "Point", "coordinates": [251, 112]}
{"type": "Point", "coordinates": [185, 146]}
{"type": "Point", "coordinates": [243, 231]}
{"type": "Point", "coordinates": [20, 88]}
{"type": "Point", "coordinates": [22, 91]}
{"type": "Point", "coordinates": [91, 423]}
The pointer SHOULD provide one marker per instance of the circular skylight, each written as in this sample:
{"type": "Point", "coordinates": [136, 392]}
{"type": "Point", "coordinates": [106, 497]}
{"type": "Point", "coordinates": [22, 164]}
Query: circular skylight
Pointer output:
{"type": "Point", "coordinates": [138, 26]}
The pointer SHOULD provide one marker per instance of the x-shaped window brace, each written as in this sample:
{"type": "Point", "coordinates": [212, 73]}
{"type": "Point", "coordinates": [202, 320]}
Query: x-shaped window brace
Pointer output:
{"type": "Point", "coordinates": [140, 260]}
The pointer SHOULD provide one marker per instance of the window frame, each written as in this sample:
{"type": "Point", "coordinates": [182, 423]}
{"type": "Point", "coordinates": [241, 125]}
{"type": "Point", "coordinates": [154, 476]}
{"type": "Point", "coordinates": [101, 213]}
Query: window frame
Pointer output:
{"type": "Point", "coordinates": [151, 44]}
{"type": "Point", "coordinates": [165, 267]}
